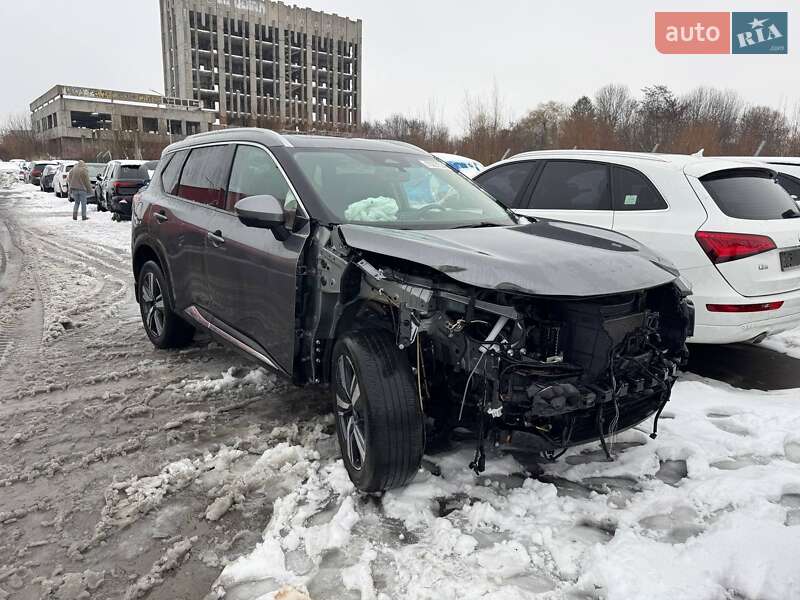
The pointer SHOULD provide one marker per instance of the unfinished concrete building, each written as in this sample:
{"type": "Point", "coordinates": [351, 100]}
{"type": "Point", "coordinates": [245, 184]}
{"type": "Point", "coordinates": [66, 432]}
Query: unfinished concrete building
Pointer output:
{"type": "Point", "coordinates": [258, 62]}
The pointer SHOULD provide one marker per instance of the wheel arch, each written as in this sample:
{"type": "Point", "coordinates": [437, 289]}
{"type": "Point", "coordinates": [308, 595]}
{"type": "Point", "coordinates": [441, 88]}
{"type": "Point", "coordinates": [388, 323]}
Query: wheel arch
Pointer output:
{"type": "Point", "coordinates": [361, 313]}
{"type": "Point", "coordinates": [144, 251]}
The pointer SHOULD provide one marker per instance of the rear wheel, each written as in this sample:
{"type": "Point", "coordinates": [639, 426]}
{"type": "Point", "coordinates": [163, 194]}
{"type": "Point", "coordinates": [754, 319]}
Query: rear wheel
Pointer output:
{"type": "Point", "coordinates": [164, 328]}
{"type": "Point", "coordinates": [379, 422]}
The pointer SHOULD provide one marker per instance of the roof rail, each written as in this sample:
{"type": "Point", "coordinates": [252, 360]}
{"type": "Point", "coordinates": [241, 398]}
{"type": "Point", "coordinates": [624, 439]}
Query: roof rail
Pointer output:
{"type": "Point", "coordinates": [231, 130]}
{"type": "Point", "coordinates": [618, 153]}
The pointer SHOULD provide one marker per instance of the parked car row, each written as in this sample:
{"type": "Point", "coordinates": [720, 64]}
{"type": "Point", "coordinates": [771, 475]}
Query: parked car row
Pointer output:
{"type": "Point", "coordinates": [113, 183]}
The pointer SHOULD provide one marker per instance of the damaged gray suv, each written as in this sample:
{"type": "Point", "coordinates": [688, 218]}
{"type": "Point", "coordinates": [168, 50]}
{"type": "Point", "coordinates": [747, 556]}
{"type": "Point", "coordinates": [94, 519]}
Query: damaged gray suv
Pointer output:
{"type": "Point", "coordinates": [424, 305]}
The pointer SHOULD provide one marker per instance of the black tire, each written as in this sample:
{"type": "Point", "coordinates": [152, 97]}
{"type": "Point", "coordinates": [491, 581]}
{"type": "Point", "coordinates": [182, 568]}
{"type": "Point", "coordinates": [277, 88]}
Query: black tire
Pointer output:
{"type": "Point", "coordinates": [385, 416]}
{"type": "Point", "coordinates": [163, 326]}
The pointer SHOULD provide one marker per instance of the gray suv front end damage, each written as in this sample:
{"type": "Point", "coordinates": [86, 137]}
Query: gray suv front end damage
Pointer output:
{"type": "Point", "coordinates": [493, 346]}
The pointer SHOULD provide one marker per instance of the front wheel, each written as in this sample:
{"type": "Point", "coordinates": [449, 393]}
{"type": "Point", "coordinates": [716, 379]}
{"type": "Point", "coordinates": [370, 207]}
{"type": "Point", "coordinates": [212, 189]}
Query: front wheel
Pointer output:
{"type": "Point", "coordinates": [379, 421]}
{"type": "Point", "coordinates": [164, 328]}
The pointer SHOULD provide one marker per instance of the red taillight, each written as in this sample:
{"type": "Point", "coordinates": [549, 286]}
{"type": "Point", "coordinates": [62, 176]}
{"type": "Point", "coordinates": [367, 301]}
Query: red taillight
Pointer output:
{"type": "Point", "coordinates": [725, 247]}
{"type": "Point", "coordinates": [126, 184]}
{"type": "Point", "coordinates": [742, 308]}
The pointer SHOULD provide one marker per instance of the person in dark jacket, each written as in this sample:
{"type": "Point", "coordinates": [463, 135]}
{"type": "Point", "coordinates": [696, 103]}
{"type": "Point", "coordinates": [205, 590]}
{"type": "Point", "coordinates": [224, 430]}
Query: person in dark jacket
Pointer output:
{"type": "Point", "coordinates": [79, 188]}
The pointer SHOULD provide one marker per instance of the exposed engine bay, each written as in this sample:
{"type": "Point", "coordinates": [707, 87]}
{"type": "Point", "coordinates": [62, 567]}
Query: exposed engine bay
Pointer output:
{"type": "Point", "coordinates": [556, 371]}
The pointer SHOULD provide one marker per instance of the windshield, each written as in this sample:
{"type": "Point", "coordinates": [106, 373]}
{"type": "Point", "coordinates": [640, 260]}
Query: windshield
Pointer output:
{"type": "Point", "coordinates": [398, 190]}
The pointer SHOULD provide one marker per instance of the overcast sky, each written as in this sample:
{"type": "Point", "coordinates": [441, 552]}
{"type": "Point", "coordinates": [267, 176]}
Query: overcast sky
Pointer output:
{"type": "Point", "coordinates": [414, 50]}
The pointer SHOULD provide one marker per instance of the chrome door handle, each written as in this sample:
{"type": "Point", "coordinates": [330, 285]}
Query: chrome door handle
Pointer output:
{"type": "Point", "coordinates": [160, 217]}
{"type": "Point", "coordinates": [216, 238]}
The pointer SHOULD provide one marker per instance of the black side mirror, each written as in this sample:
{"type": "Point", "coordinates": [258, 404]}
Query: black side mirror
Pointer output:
{"type": "Point", "coordinates": [264, 212]}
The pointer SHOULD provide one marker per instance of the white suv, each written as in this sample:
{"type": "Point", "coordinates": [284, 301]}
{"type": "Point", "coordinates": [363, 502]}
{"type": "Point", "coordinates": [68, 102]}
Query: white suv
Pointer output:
{"type": "Point", "coordinates": [727, 225]}
{"type": "Point", "coordinates": [60, 185]}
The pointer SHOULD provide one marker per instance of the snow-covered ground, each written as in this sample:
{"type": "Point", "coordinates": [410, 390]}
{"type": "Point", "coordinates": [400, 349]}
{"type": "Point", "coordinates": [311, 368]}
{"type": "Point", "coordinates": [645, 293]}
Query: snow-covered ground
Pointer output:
{"type": "Point", "coordinates": [135, 473]}
{"type": "Point", "coordinates": [709, 510]}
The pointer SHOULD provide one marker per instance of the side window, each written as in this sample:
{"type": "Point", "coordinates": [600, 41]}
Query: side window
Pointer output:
{"type": "Point", "coordinates": [790, 184]}
{"type": "Point", "coordinates": [572, 185]}
{"type": "Point", "coordinates": [172, 171]}
{"type": "Point", "coordinates": [205, 175]}
{"type": "Point", "coordinates": [507, 182]}
{"type": "Point", "coordinates": [254, 173]}
{"type": "Point", "coordinates": [633, 191]}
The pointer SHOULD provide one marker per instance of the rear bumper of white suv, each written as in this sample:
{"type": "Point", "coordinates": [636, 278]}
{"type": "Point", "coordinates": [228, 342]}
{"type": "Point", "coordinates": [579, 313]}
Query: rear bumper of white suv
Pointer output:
{"type": "Point", "coordinates": [713, 327]}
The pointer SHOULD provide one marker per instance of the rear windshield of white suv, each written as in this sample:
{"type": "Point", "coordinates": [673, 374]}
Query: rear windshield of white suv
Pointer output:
{"type": "Point", "coordinates": [131, 172]}
{"type": "Point", "coordinates": [750, 194]}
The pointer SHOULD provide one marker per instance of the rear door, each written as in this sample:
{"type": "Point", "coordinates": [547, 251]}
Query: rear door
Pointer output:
{"type": "Point", "coordinates": [642, 212]}
{"type": "Point", "coordinates": [184, 214]}
{"type": "Point", "coordinates": [572, 190]}
{"type": "Point", "coordinates": [508, 182]}
{"type": "Point", "coordinates": [251, 274]}
{"type": "Point", "coordinates": [752, 202]}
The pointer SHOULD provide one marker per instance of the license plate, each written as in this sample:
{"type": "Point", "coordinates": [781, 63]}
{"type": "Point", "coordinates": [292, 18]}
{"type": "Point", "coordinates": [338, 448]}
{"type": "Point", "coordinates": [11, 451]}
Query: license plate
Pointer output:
{"type": "Point", "coordinates": [790, 259]}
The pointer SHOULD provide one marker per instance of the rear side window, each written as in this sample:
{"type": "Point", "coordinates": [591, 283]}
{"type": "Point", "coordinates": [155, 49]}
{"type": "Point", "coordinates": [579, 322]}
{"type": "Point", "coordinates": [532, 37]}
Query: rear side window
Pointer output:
{"type": "Point", "coordinates": [256, 174]}
{"type": "Point", "coordinates": [572, 185]}
{"type": "Point", "coordinates": [507, 182]}
{"type": "Point", "coordinates": [749, 194]}
{"type": "Point", "coordinates": [790, 184]}
{"type": "Point", "coordinates": [633, 191]}
{"type": "Point", "coordinates": [172, 171]}
{"type": "Point", "coordinates": [205, 175]}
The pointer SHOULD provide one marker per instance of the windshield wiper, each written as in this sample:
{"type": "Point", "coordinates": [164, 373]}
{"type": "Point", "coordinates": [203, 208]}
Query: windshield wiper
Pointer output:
{"type": "Point", "coordinates": [476, 225]}
{"type": "Point", "coordinates": [790, 214]}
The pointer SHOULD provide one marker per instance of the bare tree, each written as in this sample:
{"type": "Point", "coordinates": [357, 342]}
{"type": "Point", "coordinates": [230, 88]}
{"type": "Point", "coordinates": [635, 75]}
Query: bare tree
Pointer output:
{"type": "Point", "coordinates": [541, 127]}
{"type": "Point", "coordinates": [762, 124]}
{"type": "Point", "coordinates": [18, 139]}
{"type": "Point", "coordinates": [486, 126]}
{"type": "Point", "coordinates": [615, 108]}
{"type": "Point", "coordinates": [659, 114]}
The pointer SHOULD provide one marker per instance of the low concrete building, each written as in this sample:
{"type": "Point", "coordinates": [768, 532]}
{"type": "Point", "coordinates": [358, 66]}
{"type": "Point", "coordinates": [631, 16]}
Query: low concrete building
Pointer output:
{"type": "Point", "coordinates": [80, 122]}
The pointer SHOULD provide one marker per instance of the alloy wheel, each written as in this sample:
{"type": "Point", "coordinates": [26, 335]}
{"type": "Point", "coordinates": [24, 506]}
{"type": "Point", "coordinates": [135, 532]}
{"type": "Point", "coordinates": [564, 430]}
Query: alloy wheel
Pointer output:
{"type": "Point", "coordinates": [152, 304]}
{"type": "Point", "coordinates": [348, 412]}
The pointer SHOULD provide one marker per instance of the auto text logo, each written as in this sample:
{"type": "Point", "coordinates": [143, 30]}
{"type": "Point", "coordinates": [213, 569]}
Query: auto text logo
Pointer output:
{"type": "Point", "coordinates": [721, 32]}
